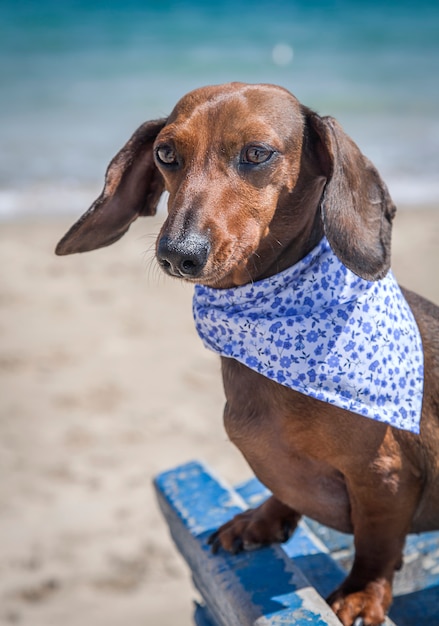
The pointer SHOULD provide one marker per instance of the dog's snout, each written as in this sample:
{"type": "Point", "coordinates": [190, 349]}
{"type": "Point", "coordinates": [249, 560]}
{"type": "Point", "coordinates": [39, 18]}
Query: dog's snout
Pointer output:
{"type": "Point", "coordinates": [184, 257]}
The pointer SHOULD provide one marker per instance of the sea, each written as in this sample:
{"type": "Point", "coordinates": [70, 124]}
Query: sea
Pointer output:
{"type": "Point", "coordinates": [78, 76]}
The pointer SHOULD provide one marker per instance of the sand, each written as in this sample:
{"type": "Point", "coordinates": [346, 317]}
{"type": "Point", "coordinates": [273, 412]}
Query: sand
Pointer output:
{"type": "Point", "coordinates": [104, 383]}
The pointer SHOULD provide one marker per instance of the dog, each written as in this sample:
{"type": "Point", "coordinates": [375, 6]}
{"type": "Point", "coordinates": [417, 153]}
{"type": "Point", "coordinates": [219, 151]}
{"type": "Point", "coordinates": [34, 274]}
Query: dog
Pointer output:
{"type": "Point", "coordinates": [272, 203]}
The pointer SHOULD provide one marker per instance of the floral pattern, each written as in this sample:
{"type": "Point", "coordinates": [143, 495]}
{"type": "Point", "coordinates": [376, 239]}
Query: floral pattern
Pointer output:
{"type": "Point", "coordinates": [320, 329]}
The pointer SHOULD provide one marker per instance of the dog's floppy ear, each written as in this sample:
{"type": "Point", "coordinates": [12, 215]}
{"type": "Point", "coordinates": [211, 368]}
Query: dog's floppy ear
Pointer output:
{"type": "Point", "coordinates": [357, 210]}
{"type": "Point", "coordinates": [133, 186]}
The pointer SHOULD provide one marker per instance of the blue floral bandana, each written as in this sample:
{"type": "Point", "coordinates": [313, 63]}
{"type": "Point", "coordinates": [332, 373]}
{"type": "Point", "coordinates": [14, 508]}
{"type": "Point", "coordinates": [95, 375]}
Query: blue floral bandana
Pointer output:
{"type": "Point", "coordinates": [320, 329]}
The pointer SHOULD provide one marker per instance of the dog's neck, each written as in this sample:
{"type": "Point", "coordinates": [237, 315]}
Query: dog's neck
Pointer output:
{"type": "Point", "coordinates": [296, 247]}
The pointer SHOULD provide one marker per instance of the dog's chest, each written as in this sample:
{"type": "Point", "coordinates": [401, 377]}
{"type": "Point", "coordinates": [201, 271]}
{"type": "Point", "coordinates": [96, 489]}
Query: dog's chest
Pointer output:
{"type": "Point", "coordinates": [259, 423]}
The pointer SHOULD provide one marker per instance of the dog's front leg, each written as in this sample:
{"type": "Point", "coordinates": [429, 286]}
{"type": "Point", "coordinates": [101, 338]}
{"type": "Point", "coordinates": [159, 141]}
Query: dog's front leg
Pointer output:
{"type": "Point", "coordinates": [269, 523]}
{"type": "Point", "coordinates": [379, 536]}
{"type": "Point", "coordinates": [366, 592]}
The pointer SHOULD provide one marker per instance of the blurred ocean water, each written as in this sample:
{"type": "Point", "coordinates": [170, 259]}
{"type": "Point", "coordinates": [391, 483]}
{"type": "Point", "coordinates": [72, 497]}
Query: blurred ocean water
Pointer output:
{"type": "Point", "coordinates": [77, 77]}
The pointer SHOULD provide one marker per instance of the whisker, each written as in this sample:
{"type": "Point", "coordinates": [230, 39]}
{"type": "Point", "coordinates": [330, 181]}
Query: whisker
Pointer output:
{"type": "Point", "coordinates": [149, 260]}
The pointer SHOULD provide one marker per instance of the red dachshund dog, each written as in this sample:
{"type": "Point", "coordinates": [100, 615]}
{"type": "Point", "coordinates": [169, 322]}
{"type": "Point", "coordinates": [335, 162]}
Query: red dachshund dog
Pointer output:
{"type": "Point", "coordinates": [259, 185]}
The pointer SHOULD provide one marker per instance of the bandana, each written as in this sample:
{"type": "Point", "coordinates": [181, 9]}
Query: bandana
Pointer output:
{"type": "Point", "coordinates": [321, 330]}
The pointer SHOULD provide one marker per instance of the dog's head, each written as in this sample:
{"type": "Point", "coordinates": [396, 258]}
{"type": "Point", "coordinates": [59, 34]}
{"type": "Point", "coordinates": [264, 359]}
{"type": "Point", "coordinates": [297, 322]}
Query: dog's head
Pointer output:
{"type": "Point", "coordinates": [254, 180]}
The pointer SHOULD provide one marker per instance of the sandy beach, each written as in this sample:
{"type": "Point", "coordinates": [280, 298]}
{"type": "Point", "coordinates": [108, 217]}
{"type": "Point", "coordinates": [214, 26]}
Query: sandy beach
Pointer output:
{"type": "Point", "coordinates": [104, 383]}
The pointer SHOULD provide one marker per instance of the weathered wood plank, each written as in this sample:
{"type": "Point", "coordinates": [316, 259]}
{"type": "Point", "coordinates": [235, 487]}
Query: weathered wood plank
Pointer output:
{"type": "Point", "coordinates": [265, 587]}
{"type": "Point", "coordinates": [260, 588]}
{"type": "Point", "coordinates": [416, 586]}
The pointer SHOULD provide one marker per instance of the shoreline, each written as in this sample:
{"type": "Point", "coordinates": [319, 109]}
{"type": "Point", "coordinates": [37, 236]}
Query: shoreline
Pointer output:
{"type": "Point", "coordinates": [44, 202]}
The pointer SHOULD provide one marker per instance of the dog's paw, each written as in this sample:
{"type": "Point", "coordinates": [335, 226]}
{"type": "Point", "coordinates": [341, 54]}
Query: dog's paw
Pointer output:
{"type": "Point", "coordinates": [251, 530]}
{"type": "Point", "coordinates": [367, 607]}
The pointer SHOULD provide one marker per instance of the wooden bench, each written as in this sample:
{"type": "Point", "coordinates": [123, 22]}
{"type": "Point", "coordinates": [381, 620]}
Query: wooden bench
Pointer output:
{"type": "Point", "coordinates": [282, 584]}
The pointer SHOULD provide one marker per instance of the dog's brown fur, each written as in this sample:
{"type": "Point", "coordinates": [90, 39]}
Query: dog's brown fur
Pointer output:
{"type": "Point", "coordinates": [255, 180]}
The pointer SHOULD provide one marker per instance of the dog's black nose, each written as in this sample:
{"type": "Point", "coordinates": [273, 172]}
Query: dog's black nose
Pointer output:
{"type": "Point", "coordinates": [184, 257]}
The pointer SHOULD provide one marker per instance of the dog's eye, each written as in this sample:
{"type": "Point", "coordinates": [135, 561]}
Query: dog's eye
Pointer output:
{"type": "Point", "coordinates": [256, 154]}
{"type": "Point", "coordinates": [166, 155]}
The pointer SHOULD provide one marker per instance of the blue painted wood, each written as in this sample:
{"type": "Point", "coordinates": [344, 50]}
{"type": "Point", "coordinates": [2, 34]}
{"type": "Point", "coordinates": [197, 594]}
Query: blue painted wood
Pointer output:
{"type": "Point", "coordinates": [265, 587]}
{"type": "Point", "coordinates": [420, 608]}
{"type": "Point", "coordinates": [260, 588]}
{"type": "Point", "coordinates": [253, 492]}
{"type": "Point", "coordinates": [310, 554]}
{"type": "Point", "coordinates": [202, 616]}
{"type": "Point", "coordinates": [416, 587]}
